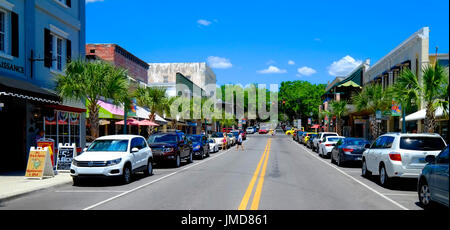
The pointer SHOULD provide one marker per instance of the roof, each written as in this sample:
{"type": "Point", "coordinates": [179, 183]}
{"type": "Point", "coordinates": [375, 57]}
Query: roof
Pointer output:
{"type": "Point", "coordinates": [117, 137]}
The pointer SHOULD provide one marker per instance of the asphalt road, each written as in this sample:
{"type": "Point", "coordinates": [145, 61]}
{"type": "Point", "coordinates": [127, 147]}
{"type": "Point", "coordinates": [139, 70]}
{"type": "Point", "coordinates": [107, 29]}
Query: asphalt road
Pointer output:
{"type": "Point", "coordinates": [273, 173]}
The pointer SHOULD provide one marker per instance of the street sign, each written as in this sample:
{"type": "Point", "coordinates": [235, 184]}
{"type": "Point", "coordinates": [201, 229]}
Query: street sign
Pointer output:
{"type": "Point", "coordinates": [39, 164]}
{"type": "Point", "coordinates": [66, 153]}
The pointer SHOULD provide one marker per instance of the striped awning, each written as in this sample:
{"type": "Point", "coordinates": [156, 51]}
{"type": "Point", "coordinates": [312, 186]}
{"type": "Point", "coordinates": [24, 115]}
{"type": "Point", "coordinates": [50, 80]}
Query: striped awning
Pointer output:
{"type": "Point", "coordinates": [12, 87]}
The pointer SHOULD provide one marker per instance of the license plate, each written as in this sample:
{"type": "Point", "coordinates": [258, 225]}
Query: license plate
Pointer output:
{"type": "Point", "coordinates": [358, 158]}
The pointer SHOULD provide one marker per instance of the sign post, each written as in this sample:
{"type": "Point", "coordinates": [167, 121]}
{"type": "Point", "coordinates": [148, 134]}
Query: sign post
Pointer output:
{"type": "Point", "coordinates": [39, 164]}
{"type": "Point", "coordinates": [66, 153]}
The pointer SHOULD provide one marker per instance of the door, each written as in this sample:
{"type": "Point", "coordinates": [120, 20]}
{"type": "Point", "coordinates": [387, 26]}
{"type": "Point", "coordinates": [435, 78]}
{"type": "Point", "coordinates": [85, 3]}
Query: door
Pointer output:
{"type": "Point", "coordinates": [372, 156]}
{"type": "Point", "coordinates": [440, 177]}
{"type": "Point", "coordinates": [184, 146]}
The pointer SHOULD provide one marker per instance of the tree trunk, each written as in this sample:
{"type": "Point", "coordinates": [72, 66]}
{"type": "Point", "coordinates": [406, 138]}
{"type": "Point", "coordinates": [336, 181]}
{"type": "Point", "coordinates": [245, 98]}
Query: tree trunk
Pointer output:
{"type": "Point", "coordinates": [374, 128]}
{"type": "Point", "coordinates": [94, 120]}
{"type": "Point", "coordinates": [430, 120]}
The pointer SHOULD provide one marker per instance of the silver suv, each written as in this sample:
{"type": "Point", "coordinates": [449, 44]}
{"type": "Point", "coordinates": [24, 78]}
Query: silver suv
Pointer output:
{"type": "Point", "coordinates": [400, 155]}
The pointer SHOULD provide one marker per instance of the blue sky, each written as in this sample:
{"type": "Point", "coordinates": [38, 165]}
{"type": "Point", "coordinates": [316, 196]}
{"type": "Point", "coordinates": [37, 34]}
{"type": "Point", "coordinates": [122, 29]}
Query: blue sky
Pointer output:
{"type": "Point", "coordinates": [266, 41]}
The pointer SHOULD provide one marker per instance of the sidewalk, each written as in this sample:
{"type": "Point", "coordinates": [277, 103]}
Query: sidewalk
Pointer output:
{"type": "Point", "coordinates": [15, 184]}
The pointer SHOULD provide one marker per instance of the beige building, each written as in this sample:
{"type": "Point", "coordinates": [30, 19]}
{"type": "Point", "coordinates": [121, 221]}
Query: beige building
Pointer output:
{"type": "Point", "coordinates": [199, 73]}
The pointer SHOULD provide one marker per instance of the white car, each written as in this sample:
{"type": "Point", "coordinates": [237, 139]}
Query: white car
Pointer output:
{"type": "Point", "coordinates": [250, 130]}
{"type": "Point", "coordinates": [233, 139]}
{"type": "Point", "coordinates": [400, 155]}
{"type": "Point", "coordinates": [218, 138]}
{"type": "Point", "coordinates": [328, 144]}
{"type": "Point", "coordinates": [113, 156]}
{"type": "Point", "coordinates": [320, 138]}
{"type": "Point", "coordinates": [214, 145]}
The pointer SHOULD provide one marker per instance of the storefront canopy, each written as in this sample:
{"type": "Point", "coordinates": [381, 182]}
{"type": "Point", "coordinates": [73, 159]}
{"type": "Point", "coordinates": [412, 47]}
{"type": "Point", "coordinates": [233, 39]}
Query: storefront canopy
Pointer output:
{"type": "Point", "coordinates": [420, 115]}
{"type": "Point", "coordinates": [107, 111]}
{"type": "Point", "coordinates": [26, 90]}
{"type": "Point", "coordinates": [145, 114]}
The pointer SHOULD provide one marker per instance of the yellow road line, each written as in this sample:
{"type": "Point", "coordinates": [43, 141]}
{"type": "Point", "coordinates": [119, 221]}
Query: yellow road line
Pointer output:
{"type": "Point", "coordinates": [257, 196]}
{"type": "Point", "coordinates": [249, 190]}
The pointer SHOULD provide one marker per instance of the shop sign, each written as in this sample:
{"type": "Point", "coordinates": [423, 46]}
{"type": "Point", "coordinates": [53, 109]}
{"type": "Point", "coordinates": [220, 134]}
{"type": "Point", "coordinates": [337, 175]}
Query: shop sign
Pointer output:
{"type": "Point", "coordinates": [39, 164]}
{"type": "Point", "coordinates": [50, 143]}
{"type": "Point", "coordinates": [12, 67]}
{"type": "Point", "coordinates": [65, 155]}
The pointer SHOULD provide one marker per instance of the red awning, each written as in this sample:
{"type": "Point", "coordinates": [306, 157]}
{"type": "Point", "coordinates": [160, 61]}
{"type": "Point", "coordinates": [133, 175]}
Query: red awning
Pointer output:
{"type": "Point", "coordinates": [147, 123]}
{"type": "Point", "coordinates": [315, 126]}
{"type": "Point", "coordinates": [130, 121]}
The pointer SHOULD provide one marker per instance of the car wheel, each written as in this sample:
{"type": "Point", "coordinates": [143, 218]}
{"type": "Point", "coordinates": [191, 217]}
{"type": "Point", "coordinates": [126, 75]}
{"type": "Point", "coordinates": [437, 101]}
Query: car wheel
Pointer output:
{"type": "Point", "coordinates": [364, 171]}
{"type": "Point", "coordinates": [331, 158]}
{"type": "Point", "coordinates": [177, 161]}
{"type": "Point", "coordinates": [190, 158]}
{"type": "Point", "coordinates": [424, 194]}
{"type": "Point", "coordinates": [384, 179]}
{"type": "Point", "coordinates": [207, 153]}
{"type": "Point", "coordinates": [149, 170]}
{"type": "Point", "coordinates": [338, 160]}
{"type": "Point", "coordinates": [126, 175]}
{"type": "Point", "coordinates": [76, 181]}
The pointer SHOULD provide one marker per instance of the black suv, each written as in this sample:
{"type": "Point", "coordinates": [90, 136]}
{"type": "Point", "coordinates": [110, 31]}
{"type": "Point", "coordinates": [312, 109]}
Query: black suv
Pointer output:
{"type": "Point", "coordinates": [170, 146]}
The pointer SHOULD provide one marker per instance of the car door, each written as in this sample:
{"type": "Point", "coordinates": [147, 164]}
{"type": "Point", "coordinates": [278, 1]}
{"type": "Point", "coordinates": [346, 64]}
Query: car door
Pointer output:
{"type": "Point", "coordinates": [205, 144]}
{"type": "Point", "coordinates": [439, 178]}
{"type": "Point", "coordinates": [134, 155]}
{"type": "Point", "coordinates": [139, 156]}
{"type": "Point", "coordinates": [372, 165]}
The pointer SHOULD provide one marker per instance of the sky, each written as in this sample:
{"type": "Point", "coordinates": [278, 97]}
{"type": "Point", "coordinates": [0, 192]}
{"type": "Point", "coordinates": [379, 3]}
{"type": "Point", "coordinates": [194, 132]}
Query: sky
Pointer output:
{"type": "Point", "coordinates": [266, 41]}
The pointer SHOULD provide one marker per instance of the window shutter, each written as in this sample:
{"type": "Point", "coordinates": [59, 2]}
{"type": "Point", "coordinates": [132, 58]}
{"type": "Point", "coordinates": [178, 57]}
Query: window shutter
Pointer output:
{"type": "Point", "coordinates": [14, 34]}
{"type": "Point", "coordinates": [68, 50]}
{"type": "Point", "coordinates": [48, 55]}
{"type": "Point", "coordinates": [69, 3]}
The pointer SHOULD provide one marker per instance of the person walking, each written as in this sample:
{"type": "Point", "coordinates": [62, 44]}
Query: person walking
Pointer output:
{"type": "Point", "coordinates": [239, 142]}
{"type": "Point", "coordinates": [224, 141]}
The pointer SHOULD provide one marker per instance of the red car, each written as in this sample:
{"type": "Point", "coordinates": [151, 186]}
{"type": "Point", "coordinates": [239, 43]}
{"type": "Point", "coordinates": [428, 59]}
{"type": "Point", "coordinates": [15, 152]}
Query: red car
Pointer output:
{"type": "Point", "coordinates": [263, 131]}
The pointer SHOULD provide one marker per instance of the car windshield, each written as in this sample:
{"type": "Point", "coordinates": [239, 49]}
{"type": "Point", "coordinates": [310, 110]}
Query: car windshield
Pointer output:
{"type": "Point", "coordinates": [357, 142]}
{"type": "Point", "coordinates": [334, 139]}
{"type": "Point", "coordinates": [219, 134]}
{"type": "Point", "coordinates": [329, 134]}
{"type": "Point", "coordinates": [195, 138]}
{"type": "Point", "coordinates": [162, 138]}
{"type": "Point", "coordinates": [422, 143]}
{"type": "Point", "coordinates": [211, 141]}
{"type": "Point", "coordinates": [108, 146]}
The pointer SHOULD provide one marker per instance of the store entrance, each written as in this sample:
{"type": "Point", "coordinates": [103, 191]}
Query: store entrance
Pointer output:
{"type": "Point", "coordinates": [13, 135]}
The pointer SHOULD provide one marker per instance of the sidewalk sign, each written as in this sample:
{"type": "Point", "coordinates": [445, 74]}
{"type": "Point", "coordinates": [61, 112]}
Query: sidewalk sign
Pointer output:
{"type": "Point", "coordinates": [50, 143]}
{"type": "Point", "coordinates": [39, 164]}
{"type": "Point", "coordinates": [65, 155]}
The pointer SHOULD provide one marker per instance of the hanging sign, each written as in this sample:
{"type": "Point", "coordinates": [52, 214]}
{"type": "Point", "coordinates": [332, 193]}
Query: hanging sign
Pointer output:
{"type": "Point", "coordinates": [39, 164]}
{"type": "Point", "coordinates": [66, 153]}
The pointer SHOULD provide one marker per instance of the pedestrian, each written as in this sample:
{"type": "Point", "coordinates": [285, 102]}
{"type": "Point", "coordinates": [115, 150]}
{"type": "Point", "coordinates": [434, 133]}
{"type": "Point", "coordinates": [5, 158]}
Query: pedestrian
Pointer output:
{"type": "Point", "coordinates": [239, 142]}
{"type": "Point", "coordinates": [224, 141]}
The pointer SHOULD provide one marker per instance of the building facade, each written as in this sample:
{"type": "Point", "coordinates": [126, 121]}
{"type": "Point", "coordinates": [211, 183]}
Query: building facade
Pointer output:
{"type": "Point", "coordinates": [37, 40]}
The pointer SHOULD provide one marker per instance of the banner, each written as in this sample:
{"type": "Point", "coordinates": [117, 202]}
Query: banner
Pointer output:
{"type": "Point", "coordinates": [39, 164]}
{"type": "Point", "coordinates": [396, 109]}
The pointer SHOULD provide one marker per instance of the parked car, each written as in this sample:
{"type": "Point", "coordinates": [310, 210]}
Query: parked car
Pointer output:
{"type": "Point", "coordinates": [306, 137]}
{"type": "Point", "coordinates": [263, 131]}
{"type": "Point", "coordinates": [290, 131]}
{"type": "Point", "coordinates": [320, 138]}
{"type": "Point", "coordinates": [237, 132]}
{"type": "Point", "coordinates": [218, 137]}
{"type": "Point", "coordinates": [327, 145]}
{"type": "Point", "coordinates": [227, 130]}
{"type": "Point", "coordinates": [348, 149]}
{"type": "Point", "coordinates": [214, 145]}
{"type": "Point", "coordinates": [244, 134]}
{"type": "Point", "coordinates": [298, 135]}
{"type": "Point", "coordinates": [233, 139]}
{"type": "Point", "coordinates": [250, 130]}
{"type": "Point", "coordinates": [309, 143]}
{"type": "Point", "coordinates": [200, 146]}
{"type": "Point", "coordinates": [113, 156]}
{"type": "Point", "coordinates": [400, 155]}
{"type": "Point", "coordinates": [171, 146]}
{"type": "Point", "coordinates": [432, 185]}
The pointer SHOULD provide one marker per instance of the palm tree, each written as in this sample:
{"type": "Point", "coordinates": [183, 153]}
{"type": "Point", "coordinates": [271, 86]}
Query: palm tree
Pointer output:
{"type": "Point", "coordinates": [154, 98]}
{"type": "Point", "coordinates": [90, 81]}
{"type": "Point", "coordinates": [406, 93]}
{"type": "Point", "coordinates": [432, 92]}
{"type": "Point", "coordinates": [372, 99]}
{"type": "Point", "coordinates": [338, 109]}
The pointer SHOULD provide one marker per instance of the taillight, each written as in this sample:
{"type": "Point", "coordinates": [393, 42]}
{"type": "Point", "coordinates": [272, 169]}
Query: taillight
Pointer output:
{"type": "Point", "coordinates": [328, 145]}
{"type": "Point", "coordinates": [395, 156]}
{"type": "Point", "coordinates": [347, 150]}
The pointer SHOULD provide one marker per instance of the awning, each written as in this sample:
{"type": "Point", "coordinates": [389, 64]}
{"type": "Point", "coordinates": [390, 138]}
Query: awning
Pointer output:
{"type": "Point", "coordinates": [350, 84]}
{"type": "Point", "coordinates": [147, 123]}
{"type": "Point", "coordinates": [26, 90]}
{"type": "Point", "coordinates": [107, 111]}
{"type": "Point", "coordinates": [130, 121]}
{"type": "Point", "coordinates": [145, 114]}
{"type": "Point", "coordinates": [315, 127]}
{"type": "Point", "coordinates": [420, 115]}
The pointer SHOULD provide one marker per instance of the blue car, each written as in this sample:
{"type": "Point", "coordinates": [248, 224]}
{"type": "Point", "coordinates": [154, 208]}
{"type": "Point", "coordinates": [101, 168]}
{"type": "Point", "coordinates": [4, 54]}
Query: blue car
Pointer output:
{"type": "Point", "coordinates": [348, 149]}
{"type": "Point", "coordinates": [200, 145]}
{"type": "Point", "coordinates": [433, 181]}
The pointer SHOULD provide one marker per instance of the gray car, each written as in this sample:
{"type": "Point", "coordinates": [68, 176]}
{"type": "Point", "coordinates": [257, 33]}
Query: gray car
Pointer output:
{"type": "Point", "coordinates": [433, 181]}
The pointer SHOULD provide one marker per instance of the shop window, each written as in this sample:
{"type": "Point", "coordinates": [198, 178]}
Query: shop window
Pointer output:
{"type": "Point", "coordinates": [63, 127]}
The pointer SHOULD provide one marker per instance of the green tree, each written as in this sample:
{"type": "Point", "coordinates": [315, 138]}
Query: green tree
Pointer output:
{"type": "Point", "coordinates": [154, 98]}
{"type": "Point", "coordinates": [91, 81]}
{"type": "Point", "coordinates": [373, 98]}
{"type": "Point", "coordinates": [338, 109]}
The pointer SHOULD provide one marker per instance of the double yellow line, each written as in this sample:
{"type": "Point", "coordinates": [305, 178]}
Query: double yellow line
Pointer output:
{"type": "Point", "coordinates": [248, 192]}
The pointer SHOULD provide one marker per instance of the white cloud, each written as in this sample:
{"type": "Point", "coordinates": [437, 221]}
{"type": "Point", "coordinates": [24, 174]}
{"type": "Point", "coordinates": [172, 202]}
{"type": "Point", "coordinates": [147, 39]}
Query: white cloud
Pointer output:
{"type": "Point", "coordinates": [92, 1]}
{"type": "Point", "coordinates": [305, 71]}
{"type": "Point", "coordinates": [343, 66]}
{"type": "Point", "coordinates": [272, 69]}
{"type": "Point", "coordinates": [219, 62]}
{"type": "Point", "coordinates": [290, 62]}
{"type": "Point", "coordinates": [204, 22]}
